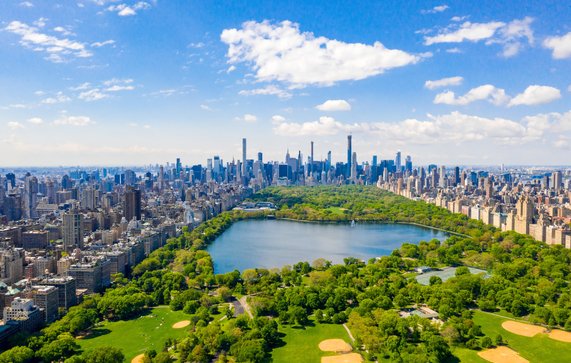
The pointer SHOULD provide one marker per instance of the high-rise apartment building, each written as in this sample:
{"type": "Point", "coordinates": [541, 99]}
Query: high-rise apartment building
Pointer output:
{"type": "Point", "coordinates": [132, 204]}
{"type": "Point", "coordinates": [72, 230]}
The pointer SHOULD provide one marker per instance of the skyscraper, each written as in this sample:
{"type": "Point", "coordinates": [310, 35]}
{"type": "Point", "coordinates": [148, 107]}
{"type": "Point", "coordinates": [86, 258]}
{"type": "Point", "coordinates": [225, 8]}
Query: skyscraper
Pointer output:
{"type": "Point", "coordinates": [310, 166]}
{"type": "Point", "coordinates": [30, 196]}
{"type": "Point", "coordinates": [557, 180]}
{"type": "Point", "coordinates": [132, 204]}
{"type": "Point", "coordinates": [442, 181]}
{"type": "Point", "coordinates": [244, 165]}
{"type": "Point", "coordinates": [178, 167]}
{"type": "Point", "coordinates": [408, 164]}
{"type": "Point", "coordinates": [354, 166]}
{"type": "Point", "coordinates": [398, 163]}
{"type": "Point", "coordinates": [349, 153]}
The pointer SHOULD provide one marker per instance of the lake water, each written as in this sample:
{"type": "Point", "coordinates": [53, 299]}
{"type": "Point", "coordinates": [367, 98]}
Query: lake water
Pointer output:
{"type": "Point", "coordinates": [275, 243]}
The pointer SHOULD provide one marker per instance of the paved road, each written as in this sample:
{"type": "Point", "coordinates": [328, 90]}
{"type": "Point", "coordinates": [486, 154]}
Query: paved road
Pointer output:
{"type": "Point", "coordinates": [244, 302]}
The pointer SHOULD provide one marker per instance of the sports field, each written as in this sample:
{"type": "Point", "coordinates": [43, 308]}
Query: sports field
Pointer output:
{"type": "Point", "coordinates": [302, 345]}
{"type": "Point", "coordinates": [137, 335]}
{"type": "Point", "coordinates": [538, 348]}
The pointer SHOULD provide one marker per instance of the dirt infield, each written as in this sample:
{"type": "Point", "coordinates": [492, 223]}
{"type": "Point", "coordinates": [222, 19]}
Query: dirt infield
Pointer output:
{"type": "Point", "coordinates": [502, 355]}
{"type": "Point", "coordinates": [181, 324]}
{"type": "Point", "coordinates": [560, 335]}
{"type": "Point", "coordinates": [138, 359]}
{"type": "Point", "coordinates": [343, 358]}
{"type": "Point", "coordinates": [527, 330]}
{"type": "Point", "coordinates": [335, 345]}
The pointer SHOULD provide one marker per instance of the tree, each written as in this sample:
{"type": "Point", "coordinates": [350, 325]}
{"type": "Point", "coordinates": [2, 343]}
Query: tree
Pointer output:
{"type": "Point", "coordinates": [462, 270]}
{"type": "Point", "coordinates": [60, 349]}
{"type": "Point", "coordinates": [299, 315]}
{"type": "Point", "coordinates": [104, 354]}
{"type": "Point", "coordinates": [249, 351]}
{"type": "Point", "coordinates": [163, 357]}
{"type": "Point", "coordinates": [435, 280]}
{"type": "Point", "coordinates": [499, 340]}
{"type": "Point", "coordinates": [17, 355]}
{"type": "Point", "coordinates": [486, 342]}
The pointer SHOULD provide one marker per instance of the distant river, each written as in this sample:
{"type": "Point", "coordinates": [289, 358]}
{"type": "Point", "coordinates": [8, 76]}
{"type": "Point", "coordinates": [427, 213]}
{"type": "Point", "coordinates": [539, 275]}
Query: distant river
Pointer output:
{"type": "Point", "coordinates": [275, 243]}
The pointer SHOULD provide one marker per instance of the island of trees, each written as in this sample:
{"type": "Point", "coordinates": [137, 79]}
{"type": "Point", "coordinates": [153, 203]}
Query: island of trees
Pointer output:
{"type": "Point", "coordinates": [525, 278]}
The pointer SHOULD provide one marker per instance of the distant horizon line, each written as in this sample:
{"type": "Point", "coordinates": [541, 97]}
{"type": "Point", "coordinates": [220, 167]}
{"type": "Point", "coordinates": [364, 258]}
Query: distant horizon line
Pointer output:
{"type": "Point", "coordinates": [4, 168]}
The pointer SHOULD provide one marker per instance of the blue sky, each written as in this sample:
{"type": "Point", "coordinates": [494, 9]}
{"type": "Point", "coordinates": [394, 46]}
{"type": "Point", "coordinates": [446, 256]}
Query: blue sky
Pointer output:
{"type": "Point", "coordinates": [136, 82]}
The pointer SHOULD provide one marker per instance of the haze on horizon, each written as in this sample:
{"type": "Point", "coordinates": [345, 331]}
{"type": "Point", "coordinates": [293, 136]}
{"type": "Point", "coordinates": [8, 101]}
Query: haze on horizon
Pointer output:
{"type": "Point", "coordinates": [113, 82]}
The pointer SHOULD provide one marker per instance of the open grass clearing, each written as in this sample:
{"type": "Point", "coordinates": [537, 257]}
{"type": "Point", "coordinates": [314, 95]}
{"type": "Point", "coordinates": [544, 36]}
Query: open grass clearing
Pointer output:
{"type": "Point", "coordinates": [302, 344]}
{"type": "Point", "coordinates": [135, 336]}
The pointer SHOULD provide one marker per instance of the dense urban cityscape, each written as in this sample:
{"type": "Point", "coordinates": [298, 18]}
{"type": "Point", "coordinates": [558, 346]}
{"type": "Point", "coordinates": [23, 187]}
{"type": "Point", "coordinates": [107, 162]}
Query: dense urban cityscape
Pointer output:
{"type": "Point", "coordinates": [66, 231]}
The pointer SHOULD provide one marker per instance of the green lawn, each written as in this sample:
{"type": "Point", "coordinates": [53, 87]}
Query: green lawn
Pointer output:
{"type": "Point", "coordinates": [138, 335]}
{"type": "Point", "coordinates": [539, 348]}
{"type": "Point", "coordinates": [302, 344]}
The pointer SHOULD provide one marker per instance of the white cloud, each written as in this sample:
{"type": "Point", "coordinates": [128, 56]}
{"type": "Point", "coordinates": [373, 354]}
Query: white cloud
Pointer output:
{"type": "Point", "coordinates": [62, 30]}
{"type": "Point", "coordinates": [205, 107]}
{"type": "Point", "coordinates": [81, 87]}
{"type": "Point", "coordinates": [281, 52]}
{"type": "Point", "coordinates": [117, 88]}
{"type": "Point", "coordinates": [58, 98]}
{"type": "Point", "coordinates": [334, 105]}
{"type": "Point", "coordinates": [102, 44]}
{"type": "Point", "coordinates": [129, 10]}
{"type": "Point", "coordinates": [277, 119]}
{"type": "Point", "coordinates": [92, 95]}
{"type": "Point", "coordinates": [454, 127]}
{"type": "Point", "coordinates": [532, 95]}
{"type": "Point", "coordinates": [35, 121]}
{"type": "Point", "coordinates": [488, 92]}
{"type": "Point", "coordinates": [436, 9]}
{"type": "Point", "coordinates": [458, 18]}
{"type": "Point", "coordinates": [247, 118]}
{"type": "Point", "coordinates": [511, 36]}
{"type": "Point", "coordinates": [268, 90]}
{"type": "Point", "coordinates": [13, 125]}
{"type": "Point", "coordinates": [117, 81]}
{"type": "Point", "coordinates": [536, 95]}
{"type": "Point", "coordinates": [444, 82]}
{"type": "Point", "coordinates": [454, 50]}
{"type": "Point", "coordinates": [197, 45]}
{"type": "Point", "coordinates": [560, 46]}
{"type": "Point", "coordinates": [562, 142]}
{"type": "Point", "coordinates": [26, 4]}
{"type": "Point", "coordinates": [466, 32]}
{"type": "Point", "coordinates": [325, 125]}
{"type": "Point", "coordinates": [57, 49]}
{"type": "Point", "coordinates": [73, 121]}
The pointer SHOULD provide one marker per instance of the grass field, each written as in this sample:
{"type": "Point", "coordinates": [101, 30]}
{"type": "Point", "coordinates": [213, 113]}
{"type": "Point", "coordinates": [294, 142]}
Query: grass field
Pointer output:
{"type": "Point", "coordinates": [539, 348]}
{"type": "Point", "coordinates": [302, 344]}
{"type": "Point", "coordinates": [138, 335]}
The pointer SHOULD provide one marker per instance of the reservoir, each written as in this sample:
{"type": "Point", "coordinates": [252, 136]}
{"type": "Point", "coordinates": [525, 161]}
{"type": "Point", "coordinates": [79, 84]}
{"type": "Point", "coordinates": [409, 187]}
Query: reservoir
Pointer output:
{"type": "Point", "coordinates": [275, 243]}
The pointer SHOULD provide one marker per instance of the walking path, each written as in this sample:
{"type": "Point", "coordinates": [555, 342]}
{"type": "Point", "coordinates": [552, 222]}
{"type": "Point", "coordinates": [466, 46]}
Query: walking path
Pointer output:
{"type": "Point", "coordinates": [349, 332]}
{"type": "Point", "coordinates": [244, 302]}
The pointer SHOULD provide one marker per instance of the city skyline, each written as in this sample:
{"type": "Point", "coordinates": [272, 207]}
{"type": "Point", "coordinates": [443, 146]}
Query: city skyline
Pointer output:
{"type": "Point", "coordinates": [104, 82]}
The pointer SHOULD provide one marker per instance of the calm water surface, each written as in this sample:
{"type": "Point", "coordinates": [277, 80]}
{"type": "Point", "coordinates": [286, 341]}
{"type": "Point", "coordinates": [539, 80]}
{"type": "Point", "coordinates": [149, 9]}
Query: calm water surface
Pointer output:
{"type": "Point", "coordinates": [275, 243]}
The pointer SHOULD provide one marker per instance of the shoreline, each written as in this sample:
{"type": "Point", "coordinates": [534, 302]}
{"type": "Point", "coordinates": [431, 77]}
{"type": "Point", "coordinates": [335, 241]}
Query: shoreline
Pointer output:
{"type": "Point", "coordinates": [371, 222]}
